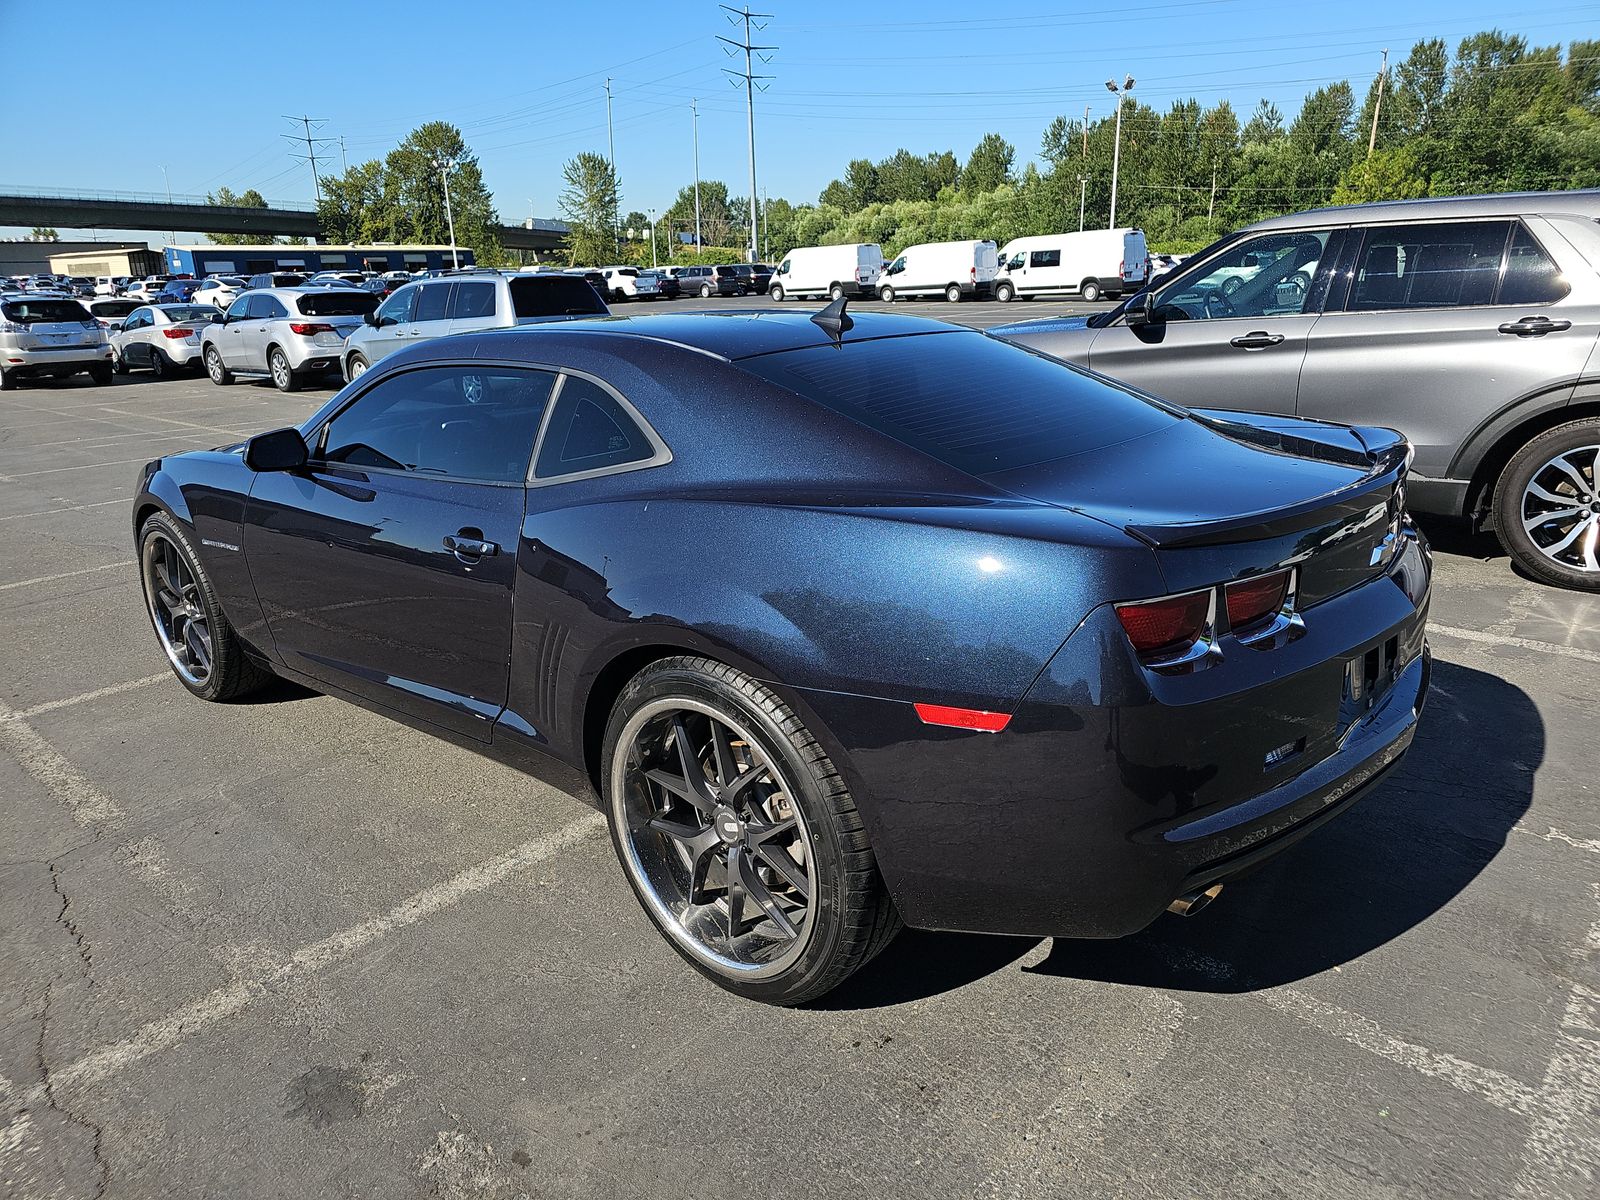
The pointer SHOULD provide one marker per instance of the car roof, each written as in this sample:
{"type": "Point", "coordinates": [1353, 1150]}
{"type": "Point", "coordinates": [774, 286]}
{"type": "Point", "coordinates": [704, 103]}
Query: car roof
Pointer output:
{"type": "Point", "coordinates": [733, 334]}
{"type": "Point", "coordinates": [1585, 203]}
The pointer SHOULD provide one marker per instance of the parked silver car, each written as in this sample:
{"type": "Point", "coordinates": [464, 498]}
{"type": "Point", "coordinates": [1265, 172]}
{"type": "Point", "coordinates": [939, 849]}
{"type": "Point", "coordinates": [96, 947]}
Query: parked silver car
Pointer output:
{"type": "Point", "coordinates": [1469, 324]}
{"type": "Point", "coordinates": [466, 303]}
{"type": "Point", "coordinates": [284, 333]}
{"type": "Point", "coordinates": [162, 337]}
{"type": "Point", "coordinates": [49, 337]}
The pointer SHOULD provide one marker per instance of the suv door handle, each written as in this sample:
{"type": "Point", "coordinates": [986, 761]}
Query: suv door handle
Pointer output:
{"type": "Point", "coordinates": [1258, 340]}
{"type": "Point", "coordinates": [469, 549]}
{"type": "Point", "coordinates": [1534, 326]}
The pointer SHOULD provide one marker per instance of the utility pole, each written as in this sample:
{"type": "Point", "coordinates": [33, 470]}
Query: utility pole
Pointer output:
{"type": "Point", "coordinates": [1086, 132]}
{"type": "Point", "coordinates": [344, 158]}
{"type": "Point", "coordinates": [444, 166]}
{"type": "Point", "coordinates": [735, 15]}
{"type": "Point", "coordinates": [165, 178]}
{"type": "Point", "coordinates": [312, 143]}
{"type": "Point", "coordinates": [653, 262]}
{"type": "Point", "coordinates": [1116, 150]}
{"type": "Point", "coordinates": [1083, 198]}
{"type": "Point", "coordinates": [1377, 107]}
{"type": "Point", "coordinates": [1212, 207]}
{"type": "Point", "coordinates": [766, 238]}
{"type": "Point", "coordinates": [611, 145]}
{"type": "Point", "coordinates": [695, 109]}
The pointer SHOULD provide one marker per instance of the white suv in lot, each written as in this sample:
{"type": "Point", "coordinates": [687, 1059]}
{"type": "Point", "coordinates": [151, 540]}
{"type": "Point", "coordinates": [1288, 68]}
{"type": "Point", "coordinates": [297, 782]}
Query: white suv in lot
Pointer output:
{"type": "Point", "coordinates": [466, 303]}
{"type": "Point", "coordinates": [284, 333]}
{"type": "Point", "coordinates": [50, 337]}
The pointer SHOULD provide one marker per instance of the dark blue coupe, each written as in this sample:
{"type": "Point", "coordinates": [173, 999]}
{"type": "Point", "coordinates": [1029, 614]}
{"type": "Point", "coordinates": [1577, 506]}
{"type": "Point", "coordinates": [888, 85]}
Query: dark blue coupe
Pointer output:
{"type": "Point", "coordinates": [847, 623]}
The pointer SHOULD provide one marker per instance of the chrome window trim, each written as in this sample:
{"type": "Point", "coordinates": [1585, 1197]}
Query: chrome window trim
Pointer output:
{"type": "Point", "coordinates": [661, 453]}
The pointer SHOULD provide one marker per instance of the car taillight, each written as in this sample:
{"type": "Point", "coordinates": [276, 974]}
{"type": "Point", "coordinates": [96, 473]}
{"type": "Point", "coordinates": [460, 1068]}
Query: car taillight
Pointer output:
{"type": "Point", "coordinates": [1168, 626]}
{"type": "Point", "coordinates": [305, 329]}
{"type": "Point", "coordinates": [1255, 599]}
{"type": "Point", "coordinates": [177, 334]}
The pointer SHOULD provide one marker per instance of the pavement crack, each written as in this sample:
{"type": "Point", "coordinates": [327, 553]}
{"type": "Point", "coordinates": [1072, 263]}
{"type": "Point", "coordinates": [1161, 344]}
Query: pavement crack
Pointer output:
{"type": "Point", "coordinates": [81, 943]}
{"type": "Point", "coordinates": [54, 1104]}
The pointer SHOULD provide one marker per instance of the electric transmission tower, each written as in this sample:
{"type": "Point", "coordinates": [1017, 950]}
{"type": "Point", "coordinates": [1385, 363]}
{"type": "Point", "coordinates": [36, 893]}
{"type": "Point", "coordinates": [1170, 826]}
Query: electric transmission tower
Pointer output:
{"type": "Point", "coordinates": [311, 143]}
{"type": "Point", "coordinates": [751, 83]}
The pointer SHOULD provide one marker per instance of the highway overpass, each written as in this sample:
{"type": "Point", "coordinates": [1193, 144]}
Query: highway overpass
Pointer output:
{"type": "Point", "coordinates": [133, 210]}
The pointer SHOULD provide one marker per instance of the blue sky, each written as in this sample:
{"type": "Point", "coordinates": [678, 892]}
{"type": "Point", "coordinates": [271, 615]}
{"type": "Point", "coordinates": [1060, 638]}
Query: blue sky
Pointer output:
{"type": "Point", "coordinates": [524, 82]}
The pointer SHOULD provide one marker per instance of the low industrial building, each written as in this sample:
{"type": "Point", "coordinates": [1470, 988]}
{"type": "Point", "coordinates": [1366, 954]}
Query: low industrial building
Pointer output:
{"type": "Point", "coordinates": [201, 261]}
{"type": "Point", "coordinates": [131, 259]}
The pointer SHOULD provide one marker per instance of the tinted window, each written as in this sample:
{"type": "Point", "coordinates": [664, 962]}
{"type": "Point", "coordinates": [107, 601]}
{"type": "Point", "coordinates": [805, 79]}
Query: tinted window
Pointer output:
{"type": "Point", "coordinates": [285, 280]}
{"type": "Point", "coordinates": [398, 307]}
{"type": "Point", "coordinates": [1044, 258]}
{"type": "Point", "coordinates": [968, 400]}
{"type": "Point", "coordinates": [473, 300]}
{"type": "Point", "coordinates": [336, 304]}
{"type": "Point", "coordinates": [269, 308]}
{"type": "Point", "coordinates": [1429, 266]}
{"type": "Point", "coordinates": [588, 431]}
{"type": "Point", "coordinates": [1530, 276]}
{"type": "Point", "coordinates": [553, 296]}
{"type": "Point", "coordinates": [113, 308]}
{"type": "Point", "coordinates": [26, 312]}
{"type": "Point", "coordinates": [189, 312]}
{"type": "Point", "coordinates": [243, 307]}
{"type": "Point", "coordinates": [465, 422]}
{"type": "Point", "coordinates": [433, 303]}
{"type": "Point", "coordinates": [1265, 276]}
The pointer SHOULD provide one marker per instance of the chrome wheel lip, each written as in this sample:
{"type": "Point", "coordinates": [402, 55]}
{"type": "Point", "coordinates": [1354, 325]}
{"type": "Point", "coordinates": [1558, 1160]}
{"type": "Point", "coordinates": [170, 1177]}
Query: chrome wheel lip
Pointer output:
{"type": "Point", "coordinates": [666, 916]}
{"type": "Point", "coordinates": [191, 659]}
{"type": "Point", "coordinates": [1560, 509]}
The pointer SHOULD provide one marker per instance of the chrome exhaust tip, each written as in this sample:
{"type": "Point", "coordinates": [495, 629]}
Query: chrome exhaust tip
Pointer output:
{"type": "Point", "coordinates": [1190, 903]}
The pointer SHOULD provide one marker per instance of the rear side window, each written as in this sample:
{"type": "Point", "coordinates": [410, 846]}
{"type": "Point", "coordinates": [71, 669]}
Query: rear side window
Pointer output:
{"type": "Point", "coordinates": [433, 303]}
{"type": "Point", "coordinates": [978, 404]}
{"type": "Point", "coordinates": [268, 308]}
{"type": "Point", "coordinates": [1044, 258]}
{"type": "Point", "coordinates": [337, 304]}
{"type": "Point", "coordinates": [287, 280]}
{"type": "Point", "coordinates": [1429, 266]}
{"type": "Point", "coordinates": [27, 312]}
{"type": "Point", "coordinates": [589, 431]}
{"type": "Point", "coordinates": [473, 300]}
{"type": "Point", "coordinates": [189, 312]}
{"type": "Point", "coordinates": [113, 308]}
{"type": "Point", "coordinates": [1530, 277]}
{"type": "Point", "coordinates": [554, 296]}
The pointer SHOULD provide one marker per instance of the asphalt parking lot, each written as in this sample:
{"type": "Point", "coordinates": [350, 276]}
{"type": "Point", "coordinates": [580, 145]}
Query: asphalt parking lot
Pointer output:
{"type": "Point", "coordinates": [290, 948]}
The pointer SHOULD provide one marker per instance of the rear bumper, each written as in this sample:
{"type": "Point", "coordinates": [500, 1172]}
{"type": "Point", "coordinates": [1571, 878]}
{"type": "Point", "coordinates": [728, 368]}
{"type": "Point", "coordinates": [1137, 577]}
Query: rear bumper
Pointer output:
{"type": "Point", "coordinates": [63, 361]}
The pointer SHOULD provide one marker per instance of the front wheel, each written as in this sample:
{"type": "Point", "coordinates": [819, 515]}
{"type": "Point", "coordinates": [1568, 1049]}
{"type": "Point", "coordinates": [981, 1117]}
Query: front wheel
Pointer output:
{"type": "Point", "coordinates": [220, 375]}
{"type": "Point", "coordinates": [283, 377]}
{"type": "Point", "coordinates": [1004, 293]}
{"type": "Point", "coordinates": [117, 365]}
{"type": "Point", "coordinates": [738, 835]}
{"type": "Point", "coordinates": [1547, 506]}
{"type": "Point", "coordinates": [776, 292]}
{"type": "Point", "coordinates": [953, 293]}
{"type": "Point", "coordinates": [1089, 290]}
{"type": "Point", "coordinates": [836, 292]}
{"type": "Point", "coordinates": [357, 367]}
{"type": "Point", "coordinates": [886, 294]}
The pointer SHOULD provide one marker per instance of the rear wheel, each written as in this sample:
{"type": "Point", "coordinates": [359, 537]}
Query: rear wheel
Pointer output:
{"type": "Point", "coordinates": [1547, 506]}
{"type": "Point", "coordinates": [1004, 292]}
{"type": "Point", "coordinates": [101, 374]}
{"type": "Point", "coordinates": [220, 375]}
{"type": "Point", "coordinates": [160, 365]}
{"type": "Point", "coordinates": [776, 292]}
{"type": "Point", "coordinates": [1089, 290]}
{"type": "Point", "coordinates": [836, 292]}
{"type": "Point", "coordinates": [886, 294]}
{"type": "Point", "coordinates": [283, 378]}
{"type": "Point", "coordinates": [8, 380]}
{"type": "Point", "coordinates": [953, 293]}
{"type": "Point", "coordinates": [738, 835]}
{"type": "Point", "coordinates": [705, 291]}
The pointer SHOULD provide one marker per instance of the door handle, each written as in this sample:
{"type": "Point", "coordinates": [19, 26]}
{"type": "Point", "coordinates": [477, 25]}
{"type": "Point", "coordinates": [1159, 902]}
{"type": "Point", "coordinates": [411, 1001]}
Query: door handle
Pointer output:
{"type": "Point", "coordinates": [1258, 340]}
{"type": "Point", "coordinates": [469, 549]}
{"type": "Point", "coordinates": [1534, 326]}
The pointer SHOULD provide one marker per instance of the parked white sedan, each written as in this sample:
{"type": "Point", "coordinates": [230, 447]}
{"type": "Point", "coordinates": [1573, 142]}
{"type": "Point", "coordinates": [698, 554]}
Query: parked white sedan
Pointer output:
{"type": "Point", "coordinates": [162, 337]}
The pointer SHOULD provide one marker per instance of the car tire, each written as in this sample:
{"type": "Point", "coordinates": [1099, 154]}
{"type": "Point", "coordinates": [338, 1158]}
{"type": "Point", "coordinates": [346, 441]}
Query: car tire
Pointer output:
{"type": "Point", "coordinates": [953, 293]}
{"type": "Point", "coordinates": [160, 365]}
{"type": "Point", "coordinates": [836, 292]}
{"type": "Point", "coordinates": [102, 374]}
{"type": "Point", "coordinates": [356, 367]}
{"type": "Point", "coordinates": [705, 291]}
{"type": "Point", "coordinates": [117, 365]}
{"type": "Point", "coordinates": [1004, 293]}
{"type": "Point", "coordinates": [846, 916]}
{"type": "Point", "coordinates": [8, 381]}
{"type": "Point", "coordinates": [1089, 291]}
{"type": "Point", "coordinates": [283, 376]}
{"type": "Point", "coordinates": [886, 294]}
{"type": "Point", "coordinates": [776, 292]}
{"type": "Point", "coordinates": [166, 553]}
{"type": "Point", "coordinates": [1553, 465]}
{"type": "Point", "coordinates": [220, 375]}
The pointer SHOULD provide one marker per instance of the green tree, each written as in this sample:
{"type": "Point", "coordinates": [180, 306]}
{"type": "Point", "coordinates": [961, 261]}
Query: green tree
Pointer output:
{"type": "Point", "coordinates": [413, 192]}
{"type": "Point", "coordinates": [989, 164]}
{"type": "Point", "coordinates": [716, 217]}
{"type": "Point", "coordinates": [589, 203]}
{"type": "Point", "coordinates": [355, 206]}
{"type": "Point", "coordinates": [42, 233]}
{"type": "Point", "coordinates": [1392, 174]}
{"type": "Point", "coordinates": [225, 198]}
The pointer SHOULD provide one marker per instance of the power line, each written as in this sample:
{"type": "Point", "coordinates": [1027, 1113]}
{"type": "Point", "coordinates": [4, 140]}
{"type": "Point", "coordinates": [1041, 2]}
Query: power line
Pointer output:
{"type": "Point", "coordinates": [751, 82]}
{"type": "Point", "coordinates": [308, 123]}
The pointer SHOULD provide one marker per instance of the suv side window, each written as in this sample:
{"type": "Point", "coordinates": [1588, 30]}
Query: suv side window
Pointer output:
{"type": "Point", "coordinates": [463, 422]}
{"type": "Point", "coordinates": [268, 308]}
{"type": "Point", "coordinates": [589, 431]}
{"type": "Point", "coordinates": [473, 300]}
{"type": "Point", "coordinates": [1044, 258]}
{"type": "Point", "coordinates": [242, 308]}
{"type": "Point", "coordinates": [434, 302]}
{"type": "Point", "coordinates": [1265, 276]}
{"type": "Point", "coordinates": [1453, 265]}
{"type": "Point", "coordinates": [398, 307]}
{"type": "Point", "coordinates": [1530, 277]}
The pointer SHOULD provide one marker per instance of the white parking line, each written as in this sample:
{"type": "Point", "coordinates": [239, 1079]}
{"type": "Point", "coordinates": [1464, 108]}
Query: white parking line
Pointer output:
{"type": "Point", "coordinates": [45, 512]}
{"type": "Point", "coordinates": [6, 587]}
{"type": "Point", "coordinates": [95, 466]}
{"type": "Point", "coordinates": [116, 689]}
{"type": "Point", "coordinates": [1500, 639]}
{"type": "Point", "coordinates": [170, 421]}
{"type": "Point", "coordinates": [87, 804]}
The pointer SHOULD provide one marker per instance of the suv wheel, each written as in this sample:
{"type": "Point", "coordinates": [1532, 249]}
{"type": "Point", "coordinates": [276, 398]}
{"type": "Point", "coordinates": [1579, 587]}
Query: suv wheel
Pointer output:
{"type": "Point", "coordinates": [953, 293]}
{"type": "Point", "coordinates": [8, 380]}
{"type": "Point", "coordinates": [886, 294]}
{"type": "Point", "coordinates": [1004, 292]}
{"type": "Point", "coordinates": [705, 291]}
{"type": "Point", "coordinates": [278, 367]}
{"type": "Point", "coordinates": [1089, 291]}
{"type": "Point", "coordinates": [101, 373]}
{"type": "Point", "coordinates": [1547, 506]}
{"type": "Point", "coordinates": [738, 835]}
{"type": "Point", "coordinates": [220, 375]}
{"type": "Point", "coordinates": [357, 367]}
{"type": "Point", "coordinates": [776, 292]}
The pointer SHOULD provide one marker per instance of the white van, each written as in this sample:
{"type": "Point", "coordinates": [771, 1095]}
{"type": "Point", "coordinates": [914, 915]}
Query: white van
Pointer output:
{"type": "Point", "coordinates": [957, 269]}
{"type": "Point", "coordinates": [1090, 264]}
{"type": "Point", "coordinates": [832, 271]}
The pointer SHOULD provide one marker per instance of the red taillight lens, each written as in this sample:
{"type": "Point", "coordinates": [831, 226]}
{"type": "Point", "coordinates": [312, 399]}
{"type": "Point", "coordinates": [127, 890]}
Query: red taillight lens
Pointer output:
{"type": "Point", "coordinates": [305, 329]}
{"type": "Point", "coordinates": [963, 718]}
{"type": "Point", "coordinates": [176, 334]}
{"type": "Point", "coordinates": [1171, 623]}
{"type": "Point", "coordinates": [1254, 599]}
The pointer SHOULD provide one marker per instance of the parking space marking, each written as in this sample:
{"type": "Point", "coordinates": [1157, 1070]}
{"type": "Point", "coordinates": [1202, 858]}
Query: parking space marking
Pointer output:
{"type": "Point", "coordinates": [1552, 834]}
{"type": "Point", "coordinates": [95, 466]}
{"type": "Point", "coordinates": [171, 421]}
{"type": "Point", "coordinates": [1502, 639]}
{"type": "Point", "coordinates": [86, 803]}
{"type": "Point", "coordinates": [105, 439]}
{"type": "Point", "coordinates": [45, 512]}
{"type": "Point", "coordinates": [116, 689]}
{"type": "Point", "coordinates": [20, 583]}
{"type": "Point", "coordinates": [165, 1032]}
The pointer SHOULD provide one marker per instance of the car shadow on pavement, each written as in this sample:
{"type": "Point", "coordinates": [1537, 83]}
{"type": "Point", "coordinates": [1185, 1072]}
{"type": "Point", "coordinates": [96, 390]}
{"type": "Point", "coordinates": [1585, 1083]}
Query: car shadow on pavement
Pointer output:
{"type": "Point", "coordinates": [1449, 536]}
{"type": "Point", "coordinates": [1396, 858]}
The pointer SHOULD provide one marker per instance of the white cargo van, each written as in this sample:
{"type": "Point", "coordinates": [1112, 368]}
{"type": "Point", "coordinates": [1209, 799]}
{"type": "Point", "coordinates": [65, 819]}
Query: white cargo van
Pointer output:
{"type": "Point", "coordinates": [1090, 264]}
{"type": "Point", "coordinates": [955, 269]}
{"type": "Point", "coordinates": [832, 271]}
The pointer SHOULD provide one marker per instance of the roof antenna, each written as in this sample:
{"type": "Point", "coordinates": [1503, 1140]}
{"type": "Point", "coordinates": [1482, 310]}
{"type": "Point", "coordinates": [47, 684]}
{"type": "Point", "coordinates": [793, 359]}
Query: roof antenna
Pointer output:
{"type": "Point", "coordinates": [834, 321]}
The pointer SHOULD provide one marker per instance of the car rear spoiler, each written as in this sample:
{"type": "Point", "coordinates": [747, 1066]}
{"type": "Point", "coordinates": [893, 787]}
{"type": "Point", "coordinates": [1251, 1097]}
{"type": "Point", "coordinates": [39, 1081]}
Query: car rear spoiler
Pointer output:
{"type": "Point", "coordinates": [1383, 455]}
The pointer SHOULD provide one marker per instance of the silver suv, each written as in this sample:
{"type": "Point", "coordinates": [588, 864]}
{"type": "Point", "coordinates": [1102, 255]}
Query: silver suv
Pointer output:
{"type": "Point", "coordinates": [286, 334]}
{"type": "Point", "coordinates": [50, 337]}
{"type": "Point", "coordinates": [1469, 324]}
{"type": "Point", "coordinates": [465, 303]}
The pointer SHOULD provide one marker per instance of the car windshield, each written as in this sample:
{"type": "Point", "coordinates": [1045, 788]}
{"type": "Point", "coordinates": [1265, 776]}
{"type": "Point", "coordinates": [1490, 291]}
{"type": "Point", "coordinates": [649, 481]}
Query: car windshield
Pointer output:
{"type": "Point", "coordinates": [287, 280]}
{"type": "Point", "coordinates": [190, 312]}
{"type": "Point", "coordinates": [968, 400]}
{"type": "Point", "coordinates": [554, 296]}
{"type": "Point", "coordinates": [337, 304]}
{"type": "Point", "coordinates": [27, 312]}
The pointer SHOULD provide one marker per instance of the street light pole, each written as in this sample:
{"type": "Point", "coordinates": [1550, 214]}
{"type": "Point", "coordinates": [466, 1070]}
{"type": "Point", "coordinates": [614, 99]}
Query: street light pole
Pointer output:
{"type": "Point", "coordinates": [167, 180]}
{"type": "Point", "coordinates": [444, 165]}
{"type": "Point", "coordinates": [1083, 196]}
{"type": "Point", "coordinates": [1116, 146]}
{"type": "Point", "coordinates": [694, 107]}
{"type": "Point", "coordinates": [653, 263]}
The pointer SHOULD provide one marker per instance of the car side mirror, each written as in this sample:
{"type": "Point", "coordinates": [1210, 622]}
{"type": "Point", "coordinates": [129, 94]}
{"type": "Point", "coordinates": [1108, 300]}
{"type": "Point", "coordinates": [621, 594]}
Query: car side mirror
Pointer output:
{"type": "Point", "coordinates": [280, 450]}
{"type": "Point", "coordinates": [1142, 310]}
